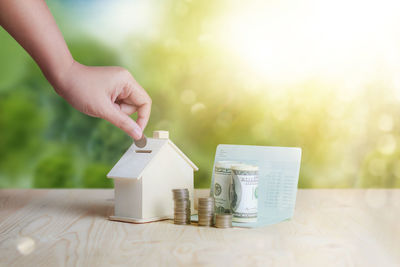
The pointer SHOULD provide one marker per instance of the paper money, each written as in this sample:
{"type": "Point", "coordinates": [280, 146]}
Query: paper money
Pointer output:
{"type": "Point", "coordinates": [244, 200]}
{"type": "Point", "coordinates": [222, 186]}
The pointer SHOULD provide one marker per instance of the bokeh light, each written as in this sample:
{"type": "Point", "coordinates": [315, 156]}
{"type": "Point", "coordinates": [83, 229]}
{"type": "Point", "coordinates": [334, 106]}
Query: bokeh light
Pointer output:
{"type": "Point", "coordinates": [320, 75]}
{"type": "Point", "coordinates": [26, 245]}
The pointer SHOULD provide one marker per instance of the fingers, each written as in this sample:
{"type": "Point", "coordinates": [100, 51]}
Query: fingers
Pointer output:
{"type": "Point", "coordinates": [123, 121]}
{"type": "Point", "coordinates": [126, 108]}
{"type": "Point", "coordinates": [139, 98]}
{"type": "Point", "coordinates": [143, 112]}
{"type": "Point", "coordinates": [132, 98]}
{"type": "Point", "coordinates": [143, 115]}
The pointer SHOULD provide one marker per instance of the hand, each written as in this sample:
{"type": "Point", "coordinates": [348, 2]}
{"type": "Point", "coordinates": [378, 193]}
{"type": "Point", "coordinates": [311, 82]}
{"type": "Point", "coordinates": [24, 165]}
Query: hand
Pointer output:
{"type": "Point", "coordinates": [110, 93]}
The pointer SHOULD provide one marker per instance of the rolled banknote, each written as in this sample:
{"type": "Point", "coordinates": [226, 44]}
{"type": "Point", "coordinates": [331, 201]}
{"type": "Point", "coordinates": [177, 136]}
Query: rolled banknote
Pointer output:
{"type": "Point", "coordinates": [222, 186]}
{"type": "Point", "coordinates": [244, 198]}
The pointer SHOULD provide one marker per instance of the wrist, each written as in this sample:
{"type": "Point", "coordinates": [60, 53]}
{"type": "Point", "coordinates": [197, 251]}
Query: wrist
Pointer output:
{"type": "Point", "coordinates": [58, 77]}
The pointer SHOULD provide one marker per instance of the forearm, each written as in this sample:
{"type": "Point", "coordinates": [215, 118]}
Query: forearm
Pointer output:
{"type": "Point", "coordinates": [107, 92]}
{"type": "Point", "coordinates": [34, 28]}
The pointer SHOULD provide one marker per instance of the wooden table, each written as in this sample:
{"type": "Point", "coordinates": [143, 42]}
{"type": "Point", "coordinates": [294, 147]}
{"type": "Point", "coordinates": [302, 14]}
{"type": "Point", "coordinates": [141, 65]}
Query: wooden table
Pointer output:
{"type": "Point", "coordinates": [70, 228]}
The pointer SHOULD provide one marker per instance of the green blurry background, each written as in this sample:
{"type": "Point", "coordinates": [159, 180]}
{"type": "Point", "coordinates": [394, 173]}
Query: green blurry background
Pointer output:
{"type": "Point", "coordinates": [271, 73]}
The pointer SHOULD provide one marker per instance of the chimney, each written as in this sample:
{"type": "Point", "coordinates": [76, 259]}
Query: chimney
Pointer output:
{"type": "Point", "coordinates": [160, 134]}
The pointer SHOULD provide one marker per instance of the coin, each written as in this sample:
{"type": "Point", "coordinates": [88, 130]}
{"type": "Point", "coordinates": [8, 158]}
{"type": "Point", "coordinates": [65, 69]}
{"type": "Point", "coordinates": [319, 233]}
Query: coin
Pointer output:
{"type": "Point", "coordinates": [206, 199]}
{"type": "Point", "coordinates": [181, 206]}
{"type": "Point", "coordinates": [223, 220]}
{"type": "Point", "coordinates": [179, 194]}
{"type": "Point", "coordinates": [142, 142]}
{"type": "Point", "coordinates": [206, 211]}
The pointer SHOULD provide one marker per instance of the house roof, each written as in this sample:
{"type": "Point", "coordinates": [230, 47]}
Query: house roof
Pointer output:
{"type": "Point", "coordinates": [134, 161]}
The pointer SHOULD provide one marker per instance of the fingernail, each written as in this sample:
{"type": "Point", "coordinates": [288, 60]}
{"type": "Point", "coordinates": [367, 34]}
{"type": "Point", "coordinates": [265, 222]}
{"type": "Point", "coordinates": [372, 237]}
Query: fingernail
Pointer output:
{"type": "Point", "coordinates": [137, 131]}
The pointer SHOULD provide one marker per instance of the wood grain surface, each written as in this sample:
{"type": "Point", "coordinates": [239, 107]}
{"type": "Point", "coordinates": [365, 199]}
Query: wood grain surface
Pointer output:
{"type": "Point", "coordinates": [70, 228]}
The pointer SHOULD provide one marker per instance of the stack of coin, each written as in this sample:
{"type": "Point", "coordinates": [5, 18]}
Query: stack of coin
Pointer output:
{"type": "Point", "coordinates": [181, 206]}
{"type": "Point", "coordinates": [223, 220]}
{"type": "Point", "coordinates": [206, 211]}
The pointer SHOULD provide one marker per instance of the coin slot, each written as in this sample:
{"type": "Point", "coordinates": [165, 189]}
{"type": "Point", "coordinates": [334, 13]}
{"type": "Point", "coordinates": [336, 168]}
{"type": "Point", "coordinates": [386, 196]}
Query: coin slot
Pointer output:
{"type": "Point", "coordinates": [143, 151]}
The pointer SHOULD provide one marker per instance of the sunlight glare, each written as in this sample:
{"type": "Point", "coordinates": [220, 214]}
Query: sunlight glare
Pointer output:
{"type": "Point", "coordinates": [290, 42]}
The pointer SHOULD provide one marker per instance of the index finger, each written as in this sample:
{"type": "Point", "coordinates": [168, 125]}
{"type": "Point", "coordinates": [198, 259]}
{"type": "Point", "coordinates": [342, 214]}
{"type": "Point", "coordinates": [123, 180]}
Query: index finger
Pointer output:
{"type": "Point", "coordinates": [143, 115]}
{"type": "Point", "coordinates": [142, 101]}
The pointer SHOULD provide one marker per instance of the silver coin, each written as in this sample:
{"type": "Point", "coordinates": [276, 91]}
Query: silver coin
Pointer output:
{"type": "Point", "coordinates": [209, 208]}
{"type": "Point", "coordinates": [202, 205]}
{"type": "Point", "coordinates": [182, 210]}
{"type": "Point", "coordinates": [206, 220]}
{"type": "Point", "coordinates": [206, 204]}
{"type": "Point", "coordinates": [142, 142]}
{"type": "Point", "coordinates": [180, 206]}
{"type": "Point", "coordinates": [224, 216]}
{"type": "Point", "coordinates": [223, 221]}
{"type": "Point", "coordinates": [200, 212]}
{"type": "Point", "coordinates": [181, 195]}
{"type": "Point", "coordinates": [182, 202]}
{"type": "Point", "coordinates": [180, 191]}
{"type": "Point", "coordinates": [205, 212]}
{"type": "Point", "coordinates": [206, 200]}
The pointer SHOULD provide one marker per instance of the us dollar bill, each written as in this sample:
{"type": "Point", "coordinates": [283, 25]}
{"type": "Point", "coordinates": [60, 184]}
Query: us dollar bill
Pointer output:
{"type": "Point", "coordinates": [244, 195]}
{"type": "Point", "coordinates": [222, 186]}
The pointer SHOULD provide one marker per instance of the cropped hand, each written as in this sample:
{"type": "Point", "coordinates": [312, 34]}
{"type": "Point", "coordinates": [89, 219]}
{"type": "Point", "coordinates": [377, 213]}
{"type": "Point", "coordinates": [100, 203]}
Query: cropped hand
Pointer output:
{"type": "Point", "coordinates": [110, 93]}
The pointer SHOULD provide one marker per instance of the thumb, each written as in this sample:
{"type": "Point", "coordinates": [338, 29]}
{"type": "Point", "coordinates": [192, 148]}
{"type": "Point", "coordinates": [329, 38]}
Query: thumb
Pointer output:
{"type": "Point", "coordinates": [124, 122]}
